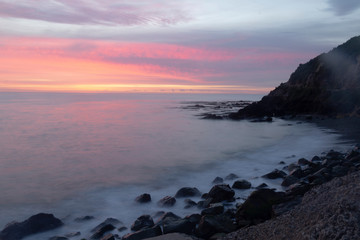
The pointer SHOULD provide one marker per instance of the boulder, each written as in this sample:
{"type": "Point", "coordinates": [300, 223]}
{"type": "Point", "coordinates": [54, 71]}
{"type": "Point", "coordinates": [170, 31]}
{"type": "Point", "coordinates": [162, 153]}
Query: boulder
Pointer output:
{"type": "Point", "coordinates": [214, 209]}
{"type": "Point", "coordinates": [241, 184]}
{"type": "Point", "coordinates": [189, 203]}
{"type": "Point", "coordinates": [218, 180]}
{"type": "Point", "coordinates": [289, 180]}
{"type": "Point", "coordinates": [258, 206]}
{"type": "Point", "coordinates": [261, 186]}
{"type": "Point", "coordinates": [112, 221]}
{"type": "Point", "coordinates": [221, 192]}
{"type": "Point", "coordinates": [231, 176]}
{"type": "Point", "coordinates": [35, 224]}
{"type": "Point", "coordinates": [167, 201]}
{"type": "Point", "coordinates": [100, 232]}
{"type": "Point", "coordinates": [187, 192]}
{"type": "Point", "coordinates": [179, 226]}
{"type": "Point", "coordinates": [84, 218]}
{"type": "Point", "coordinates": [143, 198]}
{"type": "Point", "coordinates": [168, 216]}
{"type": "Point", "coordinates": [194, 218]}
{"type": "Point", "coordinates": [275, 174]}
{"type": "Point", "coordinates": [143, 234]}
{"type": "Point", "coordinates": [144, 221]}
{"type": "Point", "coordinates": [211, 224]}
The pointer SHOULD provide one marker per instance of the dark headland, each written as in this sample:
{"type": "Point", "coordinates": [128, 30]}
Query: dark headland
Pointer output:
{"type": "Point", "coordinates": [321, 200]}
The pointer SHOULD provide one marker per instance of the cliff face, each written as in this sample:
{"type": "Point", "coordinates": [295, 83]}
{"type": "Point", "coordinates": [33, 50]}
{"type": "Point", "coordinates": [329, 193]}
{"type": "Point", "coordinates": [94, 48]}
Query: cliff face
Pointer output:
{"type": "Point", "coordinates": [326, 85]}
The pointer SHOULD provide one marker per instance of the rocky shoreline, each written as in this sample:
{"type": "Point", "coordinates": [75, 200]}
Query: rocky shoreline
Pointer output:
{"type": "Point", "coordinates": [221, 212]}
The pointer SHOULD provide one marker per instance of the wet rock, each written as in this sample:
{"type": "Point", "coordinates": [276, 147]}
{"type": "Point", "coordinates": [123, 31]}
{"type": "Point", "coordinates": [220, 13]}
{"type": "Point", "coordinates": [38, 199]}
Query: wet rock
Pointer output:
{"type": "Point", "coordinates": [58, 238]}
{"type": "Point", "coordinates": [339, 171]}
{"type": "Point", "coordinates": [334, 155]}
{"type": "Point", "coordinates": [289, 180]}
{"type": "Point", "coordinates": [84, 218]}
{"type": "Point", "coordinates": [109, 237]}
{"type": "Point", "coordinates": [35, 224]}
{"type": "Point", "coordinates": [143, 234]}
{"type": "Point", "coordinates": [275, 174]}
{"type": "Point", "coordinates": [194, 218]}
{"type": "Point", "coordinates": [214, 209]}
{"type": "Point", "coordinates": [299, 188]}
{"type": "Point", "coordinates": [143, 198]}
{"type": "Point", "coordinates": [112, 221]}
{"type": "Point", "coordinates": [218, 180]}
{"type": "Point", "coordinates": [211, 224]}
{"type": "Point", "coordinates": [231, 176]}
{"type": "Point", "coordinates": [74, 234]}
{"type": "Point", "coordinates": [189, 203]}
{"type": "Point", "coordinates": [221, 192]}
{"type": "Point", "coordinates": [121, 229]}
{"type": "Point", "coordinates": [303, 161]}
{"type": "Point", "coordinates": [98, 234]}
{"type": "Point", "coordinates": [282, 162]}
{"type": "Point", "coordinates": [241, 184]}
{"type": "Point", "coordinates": [316, 159]}
{"type": "Point", "coordinates": [144, 221]}
{"type": "Point", "coordinates": [211, 116]}
{"type": "Point", "coordinates": [261, 186]}
{"type": "Point", "coordinates": [281, 208]}
{"type": "Point", "coordinates": [292, 167]}
{"type": "Point", "coordinates": [167, 201]}
{"type": "Point", "coordinates": [258, 206]}
{"type": "Point", "coordinates": [187, 192]}
{"type": "Point", "coordinates": [179, 226]}
{"type": "Point", "coordinates": [298, 173]}
{"type": "Point", "coordinates": [168, 216]}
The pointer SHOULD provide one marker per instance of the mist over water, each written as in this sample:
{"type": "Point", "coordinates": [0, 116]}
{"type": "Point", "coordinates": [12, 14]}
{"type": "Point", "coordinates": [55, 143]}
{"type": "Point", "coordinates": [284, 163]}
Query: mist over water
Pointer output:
{"type": "Point", "coordinates": [92, 154]}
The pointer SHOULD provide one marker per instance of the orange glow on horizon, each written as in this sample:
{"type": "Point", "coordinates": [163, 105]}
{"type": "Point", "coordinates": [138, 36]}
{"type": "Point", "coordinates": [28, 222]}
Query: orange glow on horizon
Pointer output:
{"type": "Point", "coordinates": [66, 65]}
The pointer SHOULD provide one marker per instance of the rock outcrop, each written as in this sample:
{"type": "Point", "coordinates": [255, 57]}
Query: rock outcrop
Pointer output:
{"type": "Point", "coordinates": [326, 85]}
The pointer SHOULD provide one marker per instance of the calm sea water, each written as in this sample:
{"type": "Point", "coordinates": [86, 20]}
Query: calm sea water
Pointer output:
{"type": "Point", "coordinates": [92, 154]}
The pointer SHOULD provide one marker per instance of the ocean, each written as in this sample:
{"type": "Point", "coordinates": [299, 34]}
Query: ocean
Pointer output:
{"type": "Point", "coordinates": [75, 154]}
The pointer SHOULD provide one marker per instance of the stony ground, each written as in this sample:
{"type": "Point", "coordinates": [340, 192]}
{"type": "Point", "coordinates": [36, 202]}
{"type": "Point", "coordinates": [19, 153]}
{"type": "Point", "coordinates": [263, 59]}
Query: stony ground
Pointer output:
{"type": "Point", "coordinates": [329, 211]}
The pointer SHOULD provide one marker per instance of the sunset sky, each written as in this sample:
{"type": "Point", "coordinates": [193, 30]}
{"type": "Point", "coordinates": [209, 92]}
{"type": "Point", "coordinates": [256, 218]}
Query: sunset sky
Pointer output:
{"type": "Point", "coordinates": [230, 46]}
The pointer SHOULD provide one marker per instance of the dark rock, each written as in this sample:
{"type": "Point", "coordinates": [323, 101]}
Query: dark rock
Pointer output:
{"type": "Point", "coordinates": [261, 186]}
{"type": "Point", "coordinates": [74, 234]}
{"type": "Point", "coordinates": [289, 180]}
{"type": "Point", "coordinates": [231, 176]}
{"type": "Point", "coordinates": [205, 203]}
{"type": "Point", "coordinates": [121, 229]}
{"type": "Point", "coordinates": [143, 234]}
{"type": "Point", "coordinates": [167, 201]}
{"type": "Point", "coordinates": [292, 167]}
{"type": "Point", "coordinates": [221, 192]}
{"type": "Point", "coordinates": [339, 171]}
{"type": "Point", "coordinates": [299, 188]}
{"type": "Point", "coordinates": [258, 206]}
{"type": "Point", "coordinates": [211, 224]}
{"type": "Point", "coordinates": [144, 221]}
{"type": "Point", "coordinates": [179, 226]}
{"type": "Point", "coordinates": [109, 237]}
{"type": "Point", "coordinates": [218, 180]}
{"type": "Point", "coordinates": [187, 192]}
{"type": "Point", "coordinates": [281, 208]}
{"type": "Point", "coordinates": [143, 198]}
{"type": "Point", "coordinates": [334, 155]}
{"type": "Point", "coordinates": [58, 238]}
{"type": "Point", "coordinates": [303, 161]}
{"type": "Point", "coordinates": [35, 224]}
{"type": "Point", "coordinates": [316, 159]}
{"type": "Point", "coordinates": [241, 184]}
{"type": "Point", "coordinates": [98, 234]}
{"type": "Point", "coordinates": [298, 173]}
{"type": "Point", "coordinates": [214, 209]}
{"type": "Point", "coordinates": [169, 216]}
{"type": "Point", "coordinates": [84, 219]}
{"type": "Point", "coordinates": [112, 221]}
{"type": "Point", "coordinates": [211, 116]}
{"type": "Point", "coordinates": [282, 162]}
{"type": "Point", "coordinates": [328, 85]}
{"type": "Point", "coordinates": [275, 174]}
{"type": "Point", "coordinates": [205, 196]}
{"type": "Point", "coordinates": [189, 203]}
{"type": "Point", "coordinates": [194, 218]}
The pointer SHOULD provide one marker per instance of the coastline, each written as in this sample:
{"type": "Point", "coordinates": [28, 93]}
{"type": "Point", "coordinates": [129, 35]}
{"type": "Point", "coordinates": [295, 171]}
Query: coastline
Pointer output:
{"type": "Point", "coordinates": [230, 214]}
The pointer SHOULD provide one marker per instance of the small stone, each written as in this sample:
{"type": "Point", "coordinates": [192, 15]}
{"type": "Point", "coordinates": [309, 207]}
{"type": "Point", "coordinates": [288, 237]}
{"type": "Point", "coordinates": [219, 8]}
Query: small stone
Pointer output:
{"type": "Point", "coordinates": [231, 176]}
{"type": "Point", "coordinates": [218, 180]}
{"type": "Point", "coordinates": [167, 201]}
{"type": "Point", "coordinates": [275, 174]}
{"type": "Point", "coordinates": [187, 192]}
{"type": "Point", "coordinates": [241, 184]}
{"type": "Point", "coordinates": [143, 198]}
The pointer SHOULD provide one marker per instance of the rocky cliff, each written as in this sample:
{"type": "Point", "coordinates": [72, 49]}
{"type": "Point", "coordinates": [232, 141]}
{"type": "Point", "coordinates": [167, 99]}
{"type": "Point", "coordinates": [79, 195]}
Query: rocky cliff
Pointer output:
{"type": "Point", "coordinates": [326, 85]}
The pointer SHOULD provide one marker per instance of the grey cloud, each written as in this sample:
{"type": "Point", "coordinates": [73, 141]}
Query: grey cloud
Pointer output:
{"type": "Point", "coordinates": [96, 12]}
{"type": "Point", "coordinates": [343, 7]}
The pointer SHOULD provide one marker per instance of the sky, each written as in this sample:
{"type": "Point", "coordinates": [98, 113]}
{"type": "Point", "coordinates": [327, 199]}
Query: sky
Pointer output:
{"type": "Point", "coordinates": [202, 46]}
